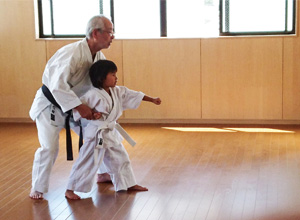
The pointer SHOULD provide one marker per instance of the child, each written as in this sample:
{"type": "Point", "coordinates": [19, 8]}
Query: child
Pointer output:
{"type": "Point", "coordinates": [102, 140]}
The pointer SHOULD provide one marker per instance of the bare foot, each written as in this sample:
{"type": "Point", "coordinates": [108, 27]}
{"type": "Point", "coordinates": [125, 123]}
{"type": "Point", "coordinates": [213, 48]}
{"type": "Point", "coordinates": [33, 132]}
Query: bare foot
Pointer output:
{"type": "Point", "coordinates": [71, 195]}
{"type": "Point", "coordinates": [137, 188]}
{"type": "Point", "coordinates": [103, 178]}
{"type": "Point", "coordinates": [36, 195]}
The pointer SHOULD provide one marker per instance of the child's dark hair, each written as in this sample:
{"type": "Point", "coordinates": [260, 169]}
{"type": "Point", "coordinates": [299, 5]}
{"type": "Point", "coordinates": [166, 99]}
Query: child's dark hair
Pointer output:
{"type": "Point", "coordinates": [99, 71]}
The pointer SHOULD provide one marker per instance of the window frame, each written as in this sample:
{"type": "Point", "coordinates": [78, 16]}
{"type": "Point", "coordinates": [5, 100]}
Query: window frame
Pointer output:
{"type": "Point", "coordinates": [163, 22]}
{"type": "Point", "coordinates": [262, 33]}
{"type": "Point", "coordinates": [53, 35]}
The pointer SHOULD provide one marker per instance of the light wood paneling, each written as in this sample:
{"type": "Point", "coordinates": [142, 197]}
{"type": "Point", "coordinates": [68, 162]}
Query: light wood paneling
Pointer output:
{"type": "Point", "coordinates": [291, 75]}
{"type": "Point", "coordinates": [241, 78]}
{"type": "Point", "coordinates": [22, 58]}
{"type": "Point", "coordinates": [291, 79]}
{"type": "Point", "coordinates": [169, 69]}
{"type": "Point", "coordinates": [54, 45]}
{"type": "Point", "coordinates": [234, 79]}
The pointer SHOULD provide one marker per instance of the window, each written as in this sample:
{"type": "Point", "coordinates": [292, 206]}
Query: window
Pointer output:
{"type": "Point", "coordinates": [169, 18]}
{"type": "Point", "coordinates": [68, 18]}
{"type": "Point", "coordinates": [192, 18]}
{"type": "Point", "coordinates": [137, 18]}
{"type": "Point", "coordinates": [245, 17]}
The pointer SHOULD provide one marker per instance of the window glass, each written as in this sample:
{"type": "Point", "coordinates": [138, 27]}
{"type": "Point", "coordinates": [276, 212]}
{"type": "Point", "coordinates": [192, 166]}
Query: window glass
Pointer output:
{"type": "Point", "coordinates": [71, 16]}
{"type": "Point", "coordinates": [192, 18]}
{"type": "Point", "coordinates": [46, 17]}
{"type": "Point", "coordinates": [137, 18]}
{"type": "Point", "coordinates": [290, 15]}
{"type": "Point", "coordinates": [252, 15]}
{"type": "Point", "coordinates": [257, 16]}
{"type": "Point", "coordinates": [182, 19]}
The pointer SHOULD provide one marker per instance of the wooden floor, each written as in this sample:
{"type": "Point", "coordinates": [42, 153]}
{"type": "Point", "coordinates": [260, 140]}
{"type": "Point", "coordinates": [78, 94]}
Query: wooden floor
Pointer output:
{"type": "Point", "coordinates": [192, 172]}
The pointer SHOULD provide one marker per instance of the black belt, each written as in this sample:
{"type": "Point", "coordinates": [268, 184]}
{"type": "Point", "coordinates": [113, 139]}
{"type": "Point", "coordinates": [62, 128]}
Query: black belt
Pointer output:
{"type": "Point", "coordinates": [50, 97]}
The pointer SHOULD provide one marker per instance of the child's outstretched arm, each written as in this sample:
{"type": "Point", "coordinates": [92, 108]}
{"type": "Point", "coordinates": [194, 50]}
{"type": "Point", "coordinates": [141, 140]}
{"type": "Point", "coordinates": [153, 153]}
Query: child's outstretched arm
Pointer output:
{"type": "Point", "coordinates": [156, 101]}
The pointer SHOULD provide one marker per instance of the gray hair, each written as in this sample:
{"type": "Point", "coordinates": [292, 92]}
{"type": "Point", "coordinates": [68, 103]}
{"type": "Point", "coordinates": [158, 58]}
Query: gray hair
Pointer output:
{"type": "Point", "coordinates": [96, 22]}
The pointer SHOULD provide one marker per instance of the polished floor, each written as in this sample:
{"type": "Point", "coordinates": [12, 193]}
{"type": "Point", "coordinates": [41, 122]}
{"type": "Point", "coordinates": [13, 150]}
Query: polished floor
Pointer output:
{"type": "Point", "coordinates": [215, 172]}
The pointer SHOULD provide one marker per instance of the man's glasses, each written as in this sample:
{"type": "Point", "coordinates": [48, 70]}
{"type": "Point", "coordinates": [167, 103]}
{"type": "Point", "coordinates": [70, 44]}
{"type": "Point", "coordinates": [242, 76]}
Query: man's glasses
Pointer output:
{"type": "Point", "coordinates": [111, 33]}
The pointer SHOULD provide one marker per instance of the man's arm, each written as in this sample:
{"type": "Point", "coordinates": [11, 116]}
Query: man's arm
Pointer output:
{"type": "Point", "coordinates": [85, 111]}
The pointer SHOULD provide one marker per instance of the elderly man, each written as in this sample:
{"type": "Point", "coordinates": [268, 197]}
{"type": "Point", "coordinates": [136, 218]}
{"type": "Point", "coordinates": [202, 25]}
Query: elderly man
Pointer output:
{"type": "Point", "coordinates": [65, 79]}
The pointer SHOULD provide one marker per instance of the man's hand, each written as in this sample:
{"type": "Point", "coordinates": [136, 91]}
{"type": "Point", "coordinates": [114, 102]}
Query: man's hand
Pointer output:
{"type": "Point", "coordinates": [88, 113]}
{"type": "Point", "coordinates": [85, 111]}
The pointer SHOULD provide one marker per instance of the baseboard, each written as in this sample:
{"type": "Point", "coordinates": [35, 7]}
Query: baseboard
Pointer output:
{"type": "Point", "coordinates": [16, 120]}
{"type": "Point", "coordinates": [179, 121]}
{"type": "Point", "coordinates": [208, 121]}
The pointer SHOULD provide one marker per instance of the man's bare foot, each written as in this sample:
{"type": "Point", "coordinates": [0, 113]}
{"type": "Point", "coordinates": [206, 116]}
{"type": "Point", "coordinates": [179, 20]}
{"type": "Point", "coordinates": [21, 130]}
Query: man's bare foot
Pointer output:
{"type": "Point", "coordinates": [36, 195]}
{"type": "Point", "coordinates": [137, 188]}
{"type": "Point", "coordinates": [103, 178]}
{"type": "Point", "coordinates": [71, 195]}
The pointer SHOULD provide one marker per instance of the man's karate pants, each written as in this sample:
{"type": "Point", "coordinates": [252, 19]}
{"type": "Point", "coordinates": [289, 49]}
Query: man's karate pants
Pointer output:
{"type": "Point", "coordinates": [115, 162]}
{"type": "Point", "coordinates": [46, 154]}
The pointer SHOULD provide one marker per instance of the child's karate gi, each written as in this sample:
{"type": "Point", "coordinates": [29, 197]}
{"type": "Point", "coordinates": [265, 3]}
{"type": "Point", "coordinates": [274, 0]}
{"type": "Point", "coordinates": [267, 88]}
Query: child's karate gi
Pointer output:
{"type": "Point", "coordinates": [102, 137]}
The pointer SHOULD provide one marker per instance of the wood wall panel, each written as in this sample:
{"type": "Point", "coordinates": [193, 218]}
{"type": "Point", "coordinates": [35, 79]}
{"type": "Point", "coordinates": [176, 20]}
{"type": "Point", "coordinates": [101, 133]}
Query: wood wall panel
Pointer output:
{"type": "Point", "coordinates": [255, 78]}
{"type": "Point", "coordinates": [169, 69]}
{"type": "Point", "coordinates": [291, 79]}
{"type": "Point", "coordinates": [22, 58]}
{"type": "Point", "coordinates": [241, 78]}
{"type": "Point", "coordinates": [54, 45]}
{"type": "Point", "coordinates": [291, 76]}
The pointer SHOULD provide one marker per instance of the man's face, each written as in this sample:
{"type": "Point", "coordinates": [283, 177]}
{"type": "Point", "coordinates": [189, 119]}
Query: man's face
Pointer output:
{"type": "Point", "coordinates": [104, 37]}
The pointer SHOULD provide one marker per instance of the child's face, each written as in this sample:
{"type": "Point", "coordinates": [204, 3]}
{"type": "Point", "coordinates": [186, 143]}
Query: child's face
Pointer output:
{"type": "Point", "coordinates": [110, 80]}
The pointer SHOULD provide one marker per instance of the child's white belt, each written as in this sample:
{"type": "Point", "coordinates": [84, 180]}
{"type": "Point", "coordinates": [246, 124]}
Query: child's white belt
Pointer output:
{"type": "Point", "coordinates": [110, 126]}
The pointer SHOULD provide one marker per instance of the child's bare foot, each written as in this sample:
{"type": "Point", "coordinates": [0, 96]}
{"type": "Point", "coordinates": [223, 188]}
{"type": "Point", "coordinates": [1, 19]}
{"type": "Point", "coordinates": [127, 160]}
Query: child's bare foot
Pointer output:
{"type": "Point", "coordinates": [103, 178]}
{"type": "Point", "coordinates": [36, 195]}
{"type": "Point", "coordinates": [71, 195]}
{"type": "Point", "coordinates": [137, 188]}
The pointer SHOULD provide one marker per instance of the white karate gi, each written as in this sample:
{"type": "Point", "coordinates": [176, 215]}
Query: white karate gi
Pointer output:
{"type": "Point", "coordinates": [115, 158]}
{"type": "Point", "coordinates": [66, 76]}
